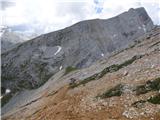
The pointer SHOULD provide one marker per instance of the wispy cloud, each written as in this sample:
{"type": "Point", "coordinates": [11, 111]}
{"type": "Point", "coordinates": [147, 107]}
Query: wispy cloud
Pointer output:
{"type": "Point", "coordinates": [50, 15]}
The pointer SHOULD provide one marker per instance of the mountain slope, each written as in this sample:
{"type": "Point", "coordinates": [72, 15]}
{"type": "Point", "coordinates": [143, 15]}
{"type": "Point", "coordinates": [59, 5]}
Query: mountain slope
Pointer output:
{"type": "Point", "coordinates": [123, 86]}
{"type": "Point", "coordinates": [32, 63]}
{"type": "Point", "coordinates": [9, 39]}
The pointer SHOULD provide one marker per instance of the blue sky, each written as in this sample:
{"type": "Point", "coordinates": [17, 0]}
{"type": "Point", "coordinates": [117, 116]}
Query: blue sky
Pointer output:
{"type": "Point", "coordinates": [50, 15]}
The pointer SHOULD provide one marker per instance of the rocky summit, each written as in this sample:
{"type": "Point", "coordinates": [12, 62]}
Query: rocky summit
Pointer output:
{"type": "Point", "coordinates": [30, 64]}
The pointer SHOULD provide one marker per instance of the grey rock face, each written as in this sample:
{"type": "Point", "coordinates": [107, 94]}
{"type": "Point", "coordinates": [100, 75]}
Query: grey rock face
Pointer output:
{"type": "Point", "coordinates": [9, 39]}
{"type": "Point", "coordinates": [32, 63]}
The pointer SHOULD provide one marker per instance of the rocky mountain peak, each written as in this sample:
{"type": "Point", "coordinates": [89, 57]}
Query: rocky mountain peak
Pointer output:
{"type": "Point", "coordinates": [32, 63]}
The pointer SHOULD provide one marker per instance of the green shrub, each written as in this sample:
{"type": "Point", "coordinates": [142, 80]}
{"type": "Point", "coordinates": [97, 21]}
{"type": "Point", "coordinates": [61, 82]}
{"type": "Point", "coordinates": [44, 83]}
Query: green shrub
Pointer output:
{"type": "Point", "coordinates": [115, 91]}
{"type": "Point", "coordinates": [148, 86]}
{"type": "Point", "coordinates": [69, 69]}
{"type": "Point", "coordinates": [155, 99]}
{"type": "Point", "coordinates": [130, 61]}
{"type": "Point", "coordinates": [85, 81]}
{"type": "Point", "coordinates": [73, 85]}
{"type": "Point", "coordinates": [155, 84]}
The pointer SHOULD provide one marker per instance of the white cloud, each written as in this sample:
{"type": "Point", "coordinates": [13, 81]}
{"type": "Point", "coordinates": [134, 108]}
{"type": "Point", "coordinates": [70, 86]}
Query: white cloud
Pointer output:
{"type": "Point", "coordinates": [50, 15]}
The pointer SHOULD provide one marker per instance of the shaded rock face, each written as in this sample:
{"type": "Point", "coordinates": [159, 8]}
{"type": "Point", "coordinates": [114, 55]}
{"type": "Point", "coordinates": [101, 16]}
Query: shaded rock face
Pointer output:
{"type": "Point", "coordinates": [32, 63]}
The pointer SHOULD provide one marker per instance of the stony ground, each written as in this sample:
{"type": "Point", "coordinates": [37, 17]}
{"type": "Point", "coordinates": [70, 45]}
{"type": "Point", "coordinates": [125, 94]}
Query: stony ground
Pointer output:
{"type": "Point", "coordinates": [85, 101]}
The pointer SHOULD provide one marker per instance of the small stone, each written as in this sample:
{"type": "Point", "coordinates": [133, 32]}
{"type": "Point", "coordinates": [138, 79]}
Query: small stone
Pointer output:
{"type": "Point", "coordinates": [125, 73]}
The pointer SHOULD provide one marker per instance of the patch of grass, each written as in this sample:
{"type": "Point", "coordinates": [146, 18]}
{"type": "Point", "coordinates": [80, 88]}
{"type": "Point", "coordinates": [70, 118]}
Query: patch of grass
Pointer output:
{"type": "Point", "coordinates": [110, 69]}
{"type": "Point", "coordinates": [115, 91]}
{"type": "Point", "coordinates": [69, 69]}
{"type": "Point", "coordinates": [148, 86]}
{"type": "Point", "coordinates": [6, 99]}
{"type": "Point", "coordinates": [155, 99]}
